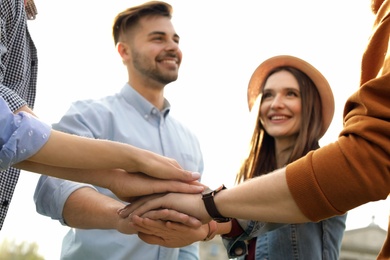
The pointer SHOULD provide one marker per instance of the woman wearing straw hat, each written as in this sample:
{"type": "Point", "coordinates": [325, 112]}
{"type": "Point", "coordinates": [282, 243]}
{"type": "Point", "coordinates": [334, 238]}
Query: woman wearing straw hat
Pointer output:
{"type": "Point", "coordinates": [294, 106]}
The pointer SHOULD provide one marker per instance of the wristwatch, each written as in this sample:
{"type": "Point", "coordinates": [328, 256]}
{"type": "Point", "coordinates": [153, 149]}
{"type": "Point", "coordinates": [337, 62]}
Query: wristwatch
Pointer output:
{"type": "Point", "coordinates": [208, 199]}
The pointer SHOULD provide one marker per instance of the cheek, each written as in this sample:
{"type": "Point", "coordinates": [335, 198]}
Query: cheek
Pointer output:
{"type": "Point", "coordinates": [296, 107]}
{"type": "Point", "coordinates": [263, 112]}
{"type": "Point", "coordinates": [298, 114]}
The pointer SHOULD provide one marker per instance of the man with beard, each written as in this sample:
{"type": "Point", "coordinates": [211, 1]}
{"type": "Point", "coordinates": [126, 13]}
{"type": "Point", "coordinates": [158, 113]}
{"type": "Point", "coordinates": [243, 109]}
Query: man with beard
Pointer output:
{"type": "Point", "coordinates": [138, 115]}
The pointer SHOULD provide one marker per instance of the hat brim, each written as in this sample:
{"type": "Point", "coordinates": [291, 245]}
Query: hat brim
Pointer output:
{"type": "Point", "coordinates": [323, 87]}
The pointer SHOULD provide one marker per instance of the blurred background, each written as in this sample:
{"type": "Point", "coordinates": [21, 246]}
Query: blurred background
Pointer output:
{"type": "Point", "coordinates": [222, 42]}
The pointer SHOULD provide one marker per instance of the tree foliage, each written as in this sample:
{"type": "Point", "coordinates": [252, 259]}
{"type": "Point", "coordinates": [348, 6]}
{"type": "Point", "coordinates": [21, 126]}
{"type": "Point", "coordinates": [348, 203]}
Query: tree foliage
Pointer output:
{"type": "Point", "coordinates": [10, 250]}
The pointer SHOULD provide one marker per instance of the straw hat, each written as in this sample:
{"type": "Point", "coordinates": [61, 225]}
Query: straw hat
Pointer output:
{"type": "Point", "coordinates": [326, 95]}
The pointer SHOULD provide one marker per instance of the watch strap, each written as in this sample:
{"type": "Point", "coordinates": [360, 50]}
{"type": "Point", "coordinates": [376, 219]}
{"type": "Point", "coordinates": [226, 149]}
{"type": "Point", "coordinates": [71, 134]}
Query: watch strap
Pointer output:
{"type": "Point", "coordinates": [208, 199]}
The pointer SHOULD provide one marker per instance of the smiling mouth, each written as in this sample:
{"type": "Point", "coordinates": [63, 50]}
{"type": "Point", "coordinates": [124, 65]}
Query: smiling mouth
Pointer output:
{"type": "Point", "coordinates": [169, 61]}
{"type": "Point", "coordinates": [278, 118]}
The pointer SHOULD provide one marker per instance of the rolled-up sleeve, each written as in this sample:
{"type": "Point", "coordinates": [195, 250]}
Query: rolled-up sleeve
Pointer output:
{"type": "Point", "coordinates": [21, 136]}
{"type": "Point", "coordinates": [51, 194]}
{"type": "Point", "coordinates": [355, 169]}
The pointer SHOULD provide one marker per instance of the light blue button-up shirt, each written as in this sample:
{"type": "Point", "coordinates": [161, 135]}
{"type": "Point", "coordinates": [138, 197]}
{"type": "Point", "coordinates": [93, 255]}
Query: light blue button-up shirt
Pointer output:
{"type": "Point", "coordinates": [125, 117]}
{"type": "Point", "coordinates": [21, 136]}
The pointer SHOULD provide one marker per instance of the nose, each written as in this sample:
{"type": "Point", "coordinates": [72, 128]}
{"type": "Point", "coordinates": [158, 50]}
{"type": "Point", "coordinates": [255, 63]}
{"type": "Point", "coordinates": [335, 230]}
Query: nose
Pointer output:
{"type": "Point", "coordinates": [172, 45]}
{"type": "Point", "coordinates": [277, 102]}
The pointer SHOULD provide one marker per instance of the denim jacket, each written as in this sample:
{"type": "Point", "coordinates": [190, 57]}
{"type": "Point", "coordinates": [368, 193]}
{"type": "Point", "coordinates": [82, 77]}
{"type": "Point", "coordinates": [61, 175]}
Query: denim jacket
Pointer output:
{"type": "Point", "coordinates": [321, 240]}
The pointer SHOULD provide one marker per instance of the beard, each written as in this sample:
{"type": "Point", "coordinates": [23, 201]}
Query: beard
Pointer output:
{"type": "Point", "coordinates": [144, 66]}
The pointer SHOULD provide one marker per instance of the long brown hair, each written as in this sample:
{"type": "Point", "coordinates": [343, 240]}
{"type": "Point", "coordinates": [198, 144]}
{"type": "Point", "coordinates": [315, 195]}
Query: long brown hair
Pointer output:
{"type": "Point", "coordinates": [261, 158]}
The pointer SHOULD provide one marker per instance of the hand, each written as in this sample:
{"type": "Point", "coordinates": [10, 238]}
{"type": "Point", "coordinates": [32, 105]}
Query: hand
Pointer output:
{"type": "Point", "coordinates": [173, 216]}
{"type": "Point", "coordinates": [162, 167]}
{"type": "Point", "coordinates": [190, 204]}
{"type": "Point", "coordinates": [129, 186]}
{"type": "Point", "coordinates": [168, 234]}
{"type": "Point", "coordinates": [126, 186]}
{"type": "Point", "coordinates": [124, 227]}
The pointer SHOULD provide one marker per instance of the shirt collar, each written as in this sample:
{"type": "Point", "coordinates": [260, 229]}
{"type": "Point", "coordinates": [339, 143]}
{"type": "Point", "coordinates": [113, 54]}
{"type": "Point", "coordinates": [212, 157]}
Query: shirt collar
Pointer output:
{"type": "Point", "coordinates": [143, 106]}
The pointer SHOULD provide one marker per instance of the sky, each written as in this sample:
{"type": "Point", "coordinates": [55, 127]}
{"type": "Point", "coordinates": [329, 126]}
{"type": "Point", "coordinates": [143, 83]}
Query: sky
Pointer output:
{"type": "Point", "coordinates": [222, 42]}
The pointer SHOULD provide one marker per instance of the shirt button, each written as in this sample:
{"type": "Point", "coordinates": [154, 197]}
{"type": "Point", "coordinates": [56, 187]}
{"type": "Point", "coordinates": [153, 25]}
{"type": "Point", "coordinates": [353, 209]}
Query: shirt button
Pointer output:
{"type": "Point", "coordinates": [5, 203]}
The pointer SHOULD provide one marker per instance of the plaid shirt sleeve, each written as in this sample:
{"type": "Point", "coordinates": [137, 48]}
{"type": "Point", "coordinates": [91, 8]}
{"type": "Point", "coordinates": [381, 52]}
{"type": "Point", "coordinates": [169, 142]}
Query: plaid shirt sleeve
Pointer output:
{"type": "Point", "coordinates": [18, 76]}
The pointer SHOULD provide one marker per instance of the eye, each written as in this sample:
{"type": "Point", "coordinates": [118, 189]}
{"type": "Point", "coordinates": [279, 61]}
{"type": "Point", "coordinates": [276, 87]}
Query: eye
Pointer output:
{"type": "Point", "coordinates": [157, 38]}
{"type": "Point", "coordinates": [267, 95]}
{"type": "Point", "coordinates": [292, 93]}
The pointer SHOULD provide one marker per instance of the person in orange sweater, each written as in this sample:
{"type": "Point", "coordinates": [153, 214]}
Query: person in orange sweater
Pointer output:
{"type": "Point", "coordinates": [329, 181]}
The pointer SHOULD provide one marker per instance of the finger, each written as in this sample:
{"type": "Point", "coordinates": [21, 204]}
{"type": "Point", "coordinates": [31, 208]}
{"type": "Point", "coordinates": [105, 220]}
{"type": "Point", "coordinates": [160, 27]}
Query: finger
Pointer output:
{"type": "Point", "coordinates": [189, 176]}
{"type": "Point", "coordinates": [178, 186]}
{"type": "Point", "coordinates": [155, 227]}
{"type": "Point", "coordinates": [124, 212]}
{"type": "Point", "coordinates": [139, 207]}
{"type": "Point", "coordinates": [151, 239]}
{"type": "Point", "coordinates": [142, 184]}
{"type": "Point", "coordinates": [139, 226]}
{"type": "Point", "coordinates": [173, 216]}
{"type": "Point", "coordinates": [157, 214]}
{"type": "Point", "coordinates": [168, 169]}
{"type": "Point", "coordinates": [177, 226]}
{"type": "Point", "coordinates": [128, 209]}
{"type": "Point", "coordinates": [130, 229]}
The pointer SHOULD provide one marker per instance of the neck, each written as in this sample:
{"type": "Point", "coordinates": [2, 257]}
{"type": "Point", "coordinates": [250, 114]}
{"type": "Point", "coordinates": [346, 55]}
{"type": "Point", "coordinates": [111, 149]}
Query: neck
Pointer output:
{"type": "Point", "coordinates": [151, 92]}
{"type": "Point", "coordinates": [283, 150]}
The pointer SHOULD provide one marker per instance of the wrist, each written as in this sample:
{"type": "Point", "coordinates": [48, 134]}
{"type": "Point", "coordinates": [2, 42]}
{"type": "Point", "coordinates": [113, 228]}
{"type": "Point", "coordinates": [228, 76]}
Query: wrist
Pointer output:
{"type": "Point", "coordinates": [211, 208]}
{"type": "Point", "coordinates": [134, 159]}
{"type": "Point", "coordinates": [114, 184]}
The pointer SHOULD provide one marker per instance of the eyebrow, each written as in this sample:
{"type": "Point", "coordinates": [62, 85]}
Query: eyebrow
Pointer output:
{"type": "Point", "coordinates": [268, 90]}
{"type": "Point", "coordinates": [163, 33]}
{"type": "Point", "coordinates": [283, 87]}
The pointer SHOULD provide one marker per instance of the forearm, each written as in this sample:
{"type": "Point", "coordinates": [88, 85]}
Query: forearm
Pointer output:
{"type": "Point", "coordinates": [101, 178]}
{"type": "Point", "coordinates": [88, 209]}
{"type": "Point", "coordinates": [266, 198]}
{"type": "Point", "coordinates": [73, 151]}
{"type": "Point", "coordinates": [126, 186]}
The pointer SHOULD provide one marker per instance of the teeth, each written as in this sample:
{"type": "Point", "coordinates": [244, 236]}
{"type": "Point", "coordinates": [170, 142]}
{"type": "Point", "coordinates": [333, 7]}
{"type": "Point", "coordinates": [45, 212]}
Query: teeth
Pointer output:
{"type": "Point", "coordinates": [169, 61]}
{"type": "Point", "coordinates": [278, 117]}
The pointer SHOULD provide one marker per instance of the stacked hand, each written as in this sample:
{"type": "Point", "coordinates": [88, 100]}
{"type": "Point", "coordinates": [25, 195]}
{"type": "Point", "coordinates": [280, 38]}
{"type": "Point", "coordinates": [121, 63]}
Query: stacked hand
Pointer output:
{"type": "Point", "coordinates": [171, 220]}
{"type": "Point", "coordinates": [130, 186]}
{"type": "Point", "coordinates": [184, 231]}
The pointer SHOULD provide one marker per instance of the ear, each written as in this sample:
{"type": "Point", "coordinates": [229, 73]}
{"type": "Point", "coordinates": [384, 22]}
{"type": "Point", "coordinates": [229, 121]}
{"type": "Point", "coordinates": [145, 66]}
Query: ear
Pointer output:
{"type": "Point", "coordinates": [123, 50]}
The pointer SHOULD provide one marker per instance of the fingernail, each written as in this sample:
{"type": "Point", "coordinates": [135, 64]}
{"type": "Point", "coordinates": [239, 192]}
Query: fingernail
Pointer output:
{"type": "Point", "coordinates": [200, 188]}
{"type": "Point", "coordinates": [195, 175]}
